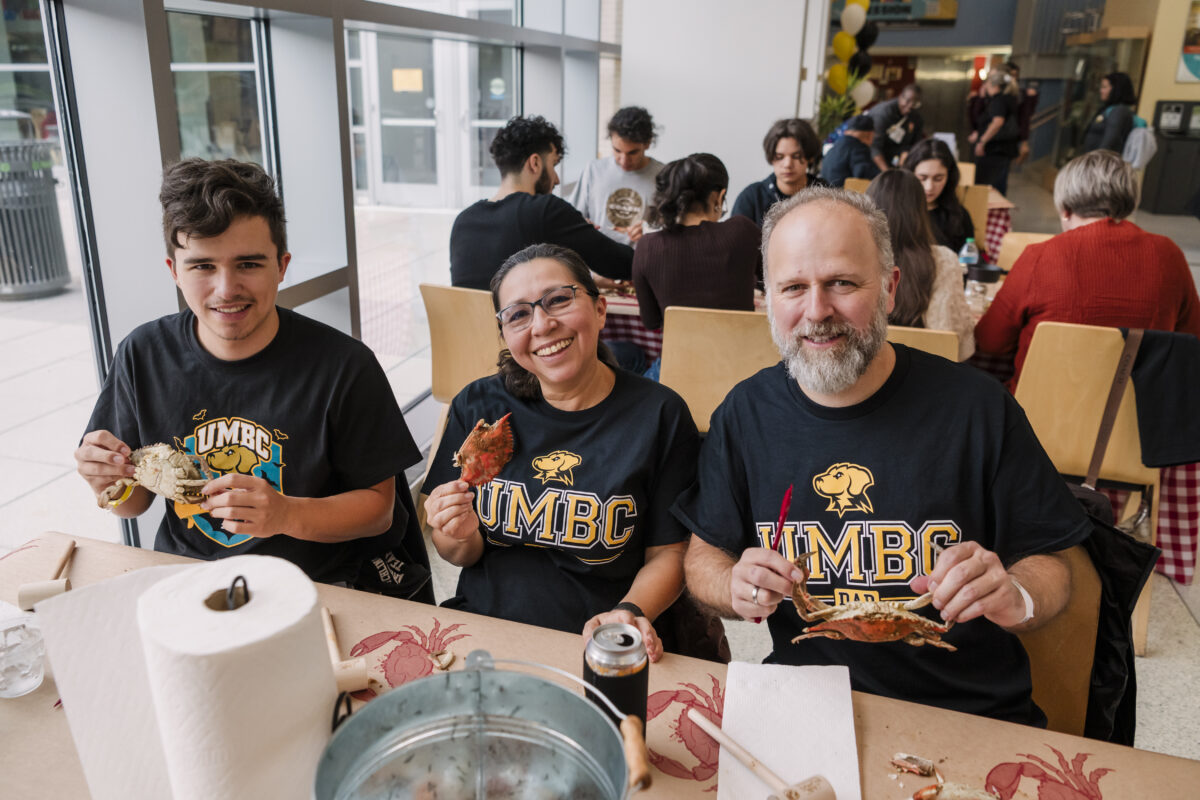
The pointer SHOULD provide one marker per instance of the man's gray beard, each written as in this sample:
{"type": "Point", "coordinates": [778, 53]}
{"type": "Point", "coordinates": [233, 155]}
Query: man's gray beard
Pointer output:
{"type": "Point", "coordinates": [834, 371]}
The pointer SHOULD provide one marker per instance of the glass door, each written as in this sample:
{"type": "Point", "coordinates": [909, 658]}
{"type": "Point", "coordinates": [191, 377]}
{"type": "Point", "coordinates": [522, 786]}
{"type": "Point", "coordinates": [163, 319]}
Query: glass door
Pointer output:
{"type": "Point", "coordinates": [489, 96]}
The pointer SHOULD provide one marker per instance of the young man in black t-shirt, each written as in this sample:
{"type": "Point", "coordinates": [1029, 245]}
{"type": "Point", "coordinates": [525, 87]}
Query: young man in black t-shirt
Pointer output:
{"type": "Point", "coordinates": [297, 419]}
{"type": "Point", "coordinates": [893, 454]}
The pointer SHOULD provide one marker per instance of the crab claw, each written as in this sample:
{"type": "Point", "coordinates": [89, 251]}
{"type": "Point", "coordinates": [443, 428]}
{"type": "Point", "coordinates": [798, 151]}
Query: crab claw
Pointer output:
{"type": "Point", "coordinates": [485, 451]}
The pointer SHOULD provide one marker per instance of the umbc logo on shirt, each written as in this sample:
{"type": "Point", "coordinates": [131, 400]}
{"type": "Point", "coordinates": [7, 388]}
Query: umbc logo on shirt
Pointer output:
{"type": "Point", "coordinates": [845, 485]}
{"type": "Point", "coordinates": [557, 466]}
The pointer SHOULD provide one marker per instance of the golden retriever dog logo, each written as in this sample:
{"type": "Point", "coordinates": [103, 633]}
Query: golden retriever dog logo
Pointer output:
{"type": "Point", "coordinates": [557, 466]}
{"type": "Point", "coordinates": [846, 487]}
{"type": "Point", "coordinates": [233, 458]}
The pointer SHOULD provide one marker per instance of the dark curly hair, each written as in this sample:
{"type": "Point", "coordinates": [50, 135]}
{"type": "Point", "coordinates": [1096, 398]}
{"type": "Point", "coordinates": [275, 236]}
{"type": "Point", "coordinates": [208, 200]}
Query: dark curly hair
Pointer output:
{"type": "Point", "coordinates": [1122, 89]}
{"type": "Point", "coordinates": [522, 137]}
{"type": "Point", "coordinates": [202, 199]}
{"type": "Point", "coordinates": [634, 124]}
{"type": "Point", "coordinates": [796, 129]}
{"type": "Point", "coordinates": [683, 184]}
{"type": "Point", "coordinates": [518, 380]}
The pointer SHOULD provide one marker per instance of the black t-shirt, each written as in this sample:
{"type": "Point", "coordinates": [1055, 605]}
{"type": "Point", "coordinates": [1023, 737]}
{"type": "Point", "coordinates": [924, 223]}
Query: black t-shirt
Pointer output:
{"type": "Point", "coordinates": [567, 522]}
{"type": "Point", "coordinates": [941, 453]}
{"type": "Point", "coordinates": [486, 233]}
{"type": "Point", "coordinates": [756, 199]}
{"type": "Point", "coordinates": [1006, 142]}
{"type": "Point", "coordinates": [312, 413]}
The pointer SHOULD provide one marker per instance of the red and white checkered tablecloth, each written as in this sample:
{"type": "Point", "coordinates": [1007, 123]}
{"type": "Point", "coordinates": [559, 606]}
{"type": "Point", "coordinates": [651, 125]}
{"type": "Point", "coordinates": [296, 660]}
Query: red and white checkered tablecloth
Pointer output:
{"type": "Point", "coordinates": [1178, 519]}
{"type": "Point", "coordinates": [625, 325]}
{"type": "Point", "coordinates": [999, 222]}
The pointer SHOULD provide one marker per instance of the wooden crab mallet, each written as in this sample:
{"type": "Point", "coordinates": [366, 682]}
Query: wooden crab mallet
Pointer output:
{"type": "Point", "coordinates": [814, 788]}
{"type": "Point", "coordinates": [784, 508]}
{"type": "Point", "coordinates": [30, 594]}
{"type": "Point", "coordinates": [351, 674]}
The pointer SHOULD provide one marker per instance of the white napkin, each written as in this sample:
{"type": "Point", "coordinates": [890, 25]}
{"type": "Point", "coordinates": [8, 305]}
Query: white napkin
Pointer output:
{"type": "Point", "coordinates": [798, 721]}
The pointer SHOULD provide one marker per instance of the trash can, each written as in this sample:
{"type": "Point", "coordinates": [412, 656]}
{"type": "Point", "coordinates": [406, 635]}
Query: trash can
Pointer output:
{"type": "Point", "coordinates": [33, 260]}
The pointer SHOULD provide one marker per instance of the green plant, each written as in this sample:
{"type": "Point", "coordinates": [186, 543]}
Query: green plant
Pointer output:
{"type": "Point", "coordinates": [834, 109]}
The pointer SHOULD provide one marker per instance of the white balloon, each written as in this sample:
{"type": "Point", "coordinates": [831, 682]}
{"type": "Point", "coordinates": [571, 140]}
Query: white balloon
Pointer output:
{"type": "Point", "coordinates": [864, 92]}
{"type": "Point", "coordinates": [853, 18]}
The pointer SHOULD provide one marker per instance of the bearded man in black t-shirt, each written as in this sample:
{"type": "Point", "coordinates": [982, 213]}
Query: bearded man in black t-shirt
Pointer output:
{"type": "Point", "coordinates": [296, 418]}
{"type": "Point", "coordinates": [894, 455]}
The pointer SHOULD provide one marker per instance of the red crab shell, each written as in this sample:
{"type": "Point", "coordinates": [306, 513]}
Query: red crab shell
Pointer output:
{"type": "Point", "coordinates": [485, 452]}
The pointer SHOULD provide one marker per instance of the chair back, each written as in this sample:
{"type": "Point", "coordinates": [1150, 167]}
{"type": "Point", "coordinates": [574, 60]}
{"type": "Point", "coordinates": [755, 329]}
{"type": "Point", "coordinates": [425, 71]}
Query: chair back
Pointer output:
{"type": "Point", "coordinates": [966, 173]}
{"type": "Point", "coordinates": [856, 185]}
{"type": "Point", "coordinates": [975, 200]}
{"type": "Point", "coordinates": [706, 352]}
{"type": "Point", "coordinates": [1014, 244]}
{"type": "Point", "coordinates": [463, 337]}
{"type": "Point", "coordinates": [1061, 651]}
{"type": "Point", "coordinates": [940, 343]}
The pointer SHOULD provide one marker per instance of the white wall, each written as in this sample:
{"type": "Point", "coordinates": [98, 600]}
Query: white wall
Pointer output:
{"type": "Point", "coordinates": [714, 75]}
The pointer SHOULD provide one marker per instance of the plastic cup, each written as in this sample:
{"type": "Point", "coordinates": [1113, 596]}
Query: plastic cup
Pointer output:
{"type": "Point", "coordinates": [22, 656]}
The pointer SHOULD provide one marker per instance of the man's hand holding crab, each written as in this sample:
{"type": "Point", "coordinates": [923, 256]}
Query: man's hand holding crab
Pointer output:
{"type": "Point", "coordinates": [759, 581]}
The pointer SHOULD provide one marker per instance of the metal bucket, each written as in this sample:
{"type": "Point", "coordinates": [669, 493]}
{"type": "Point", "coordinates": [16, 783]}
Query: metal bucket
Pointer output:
{"type": "Point", "coordinates": [475, 733]}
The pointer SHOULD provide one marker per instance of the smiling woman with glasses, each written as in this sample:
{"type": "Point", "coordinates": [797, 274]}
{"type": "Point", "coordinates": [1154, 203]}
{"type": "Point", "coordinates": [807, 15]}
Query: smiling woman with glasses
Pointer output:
{"type": "Point", "coordinates": [576, 530]}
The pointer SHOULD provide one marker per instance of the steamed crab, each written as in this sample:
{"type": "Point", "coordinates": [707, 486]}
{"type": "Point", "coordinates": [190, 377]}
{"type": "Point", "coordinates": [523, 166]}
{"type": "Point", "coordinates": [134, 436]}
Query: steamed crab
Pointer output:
{"type": "Point", "coordinates": [866, 620]}
{"type": "Point", "coordinates": [163, 470]}
{"type": "Point", "coordinates": [485, 451]}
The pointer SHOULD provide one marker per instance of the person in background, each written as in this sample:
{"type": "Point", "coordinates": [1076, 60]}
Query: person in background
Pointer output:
{"type": "Point", "coordinates": [930, 294]}
{"type": "Point", "coordinates": [1026, 106]}
{"type": "Point", "coordinates": [792, 149]}
{"type": "Point", "coordinates": [613, 192]}
{"type": "Point", "coordinates": [850, 156]}
{"type": "Point", "coordinates": [937, 170]}
{"type": "Point", "coordinates": [576, 530]}
{"type": "Point", "coordinates": [898, 126]}
{"type": "Point", "coordinates": [695, 260]}
{"type": "Point", "coordinates": [1109, 129]}
{"type": "Point", "coordinates": [267, 399]}
{"type": "Point", "coordinates": [1101, 270]}
{"type": "Point", "coordinates": [523, 212]}
{"type": "Point", "coordinates": [995, 134]}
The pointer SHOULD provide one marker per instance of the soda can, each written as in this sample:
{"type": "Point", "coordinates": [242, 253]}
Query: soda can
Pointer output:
{"type": "Point", "coordinates": [615, 662]}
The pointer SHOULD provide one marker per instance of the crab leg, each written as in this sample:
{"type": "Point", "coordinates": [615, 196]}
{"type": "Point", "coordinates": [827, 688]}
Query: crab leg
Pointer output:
{"type": "Point", "coordinates": [809, 608]}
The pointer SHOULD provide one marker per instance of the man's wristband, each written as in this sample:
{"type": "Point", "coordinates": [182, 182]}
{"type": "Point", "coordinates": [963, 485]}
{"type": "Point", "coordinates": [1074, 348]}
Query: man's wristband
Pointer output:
{"type": "Point", "coordinates": [632, 608]}
{"type": "Point", "coordinates": [1027, 598]}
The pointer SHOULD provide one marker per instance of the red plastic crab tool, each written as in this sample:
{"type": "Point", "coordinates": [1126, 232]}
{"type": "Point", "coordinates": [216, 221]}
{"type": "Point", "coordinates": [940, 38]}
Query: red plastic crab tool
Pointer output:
{"type": "Point", "coordinates": [485, 452]}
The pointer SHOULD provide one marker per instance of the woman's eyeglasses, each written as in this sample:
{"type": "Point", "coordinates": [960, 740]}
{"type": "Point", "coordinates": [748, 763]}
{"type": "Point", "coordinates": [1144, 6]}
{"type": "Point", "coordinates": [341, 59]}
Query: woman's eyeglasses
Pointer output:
{"type": "Point", "coordinates": [555, 302]}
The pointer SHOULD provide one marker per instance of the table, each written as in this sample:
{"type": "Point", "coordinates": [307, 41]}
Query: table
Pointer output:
{"type": "Point", "coordinates": [624, 324]}
{"type": "Point", "coordinates": [37, 756]}
{"type": "Point", "coordinates": [999, 221]}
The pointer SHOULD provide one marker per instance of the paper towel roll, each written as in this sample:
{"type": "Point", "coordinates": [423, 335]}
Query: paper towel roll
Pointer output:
{"type": "Point", "coordinates": [244, 697]}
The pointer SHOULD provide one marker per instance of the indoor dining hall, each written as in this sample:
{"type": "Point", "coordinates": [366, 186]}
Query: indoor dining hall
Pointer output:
{"type": "Point", "coordinates": [580, 398]}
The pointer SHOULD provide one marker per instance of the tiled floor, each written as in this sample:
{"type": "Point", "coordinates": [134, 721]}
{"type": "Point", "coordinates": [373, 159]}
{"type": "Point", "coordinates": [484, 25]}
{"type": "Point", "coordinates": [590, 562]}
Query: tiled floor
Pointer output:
{"type": "Point", "coordinates": [48, 386]}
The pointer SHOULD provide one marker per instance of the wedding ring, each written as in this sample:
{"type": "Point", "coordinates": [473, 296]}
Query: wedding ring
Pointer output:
{"type": "Point", "coordinates": [754, 596]}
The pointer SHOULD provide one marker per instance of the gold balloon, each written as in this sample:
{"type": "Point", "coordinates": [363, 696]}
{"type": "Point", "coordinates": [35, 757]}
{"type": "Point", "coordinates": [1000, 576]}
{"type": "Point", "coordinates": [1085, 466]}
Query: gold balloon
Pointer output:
{"type": "Point", "coordinates": [837, 78]}
{"type": "Point", "coordinates": [844, 46]}
{"type": "Point", "coordinates": [866, 4]}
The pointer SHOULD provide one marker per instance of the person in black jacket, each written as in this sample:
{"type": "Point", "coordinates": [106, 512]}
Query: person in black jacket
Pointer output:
{"type": "Point", "coordinates": [1109, 129]}
{"type": "Point", "coordinates": [997, 135]}
{"type": "Point", "coordinates": [792, 149]}
{"type": "Point", "coordinates": [523, 212]}
{"type": "Point", "coordinates": [850, 156]}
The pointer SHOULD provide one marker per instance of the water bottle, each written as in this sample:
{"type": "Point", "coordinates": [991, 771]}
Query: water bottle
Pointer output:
{"type": "Point", "coordinates": [968, 256]}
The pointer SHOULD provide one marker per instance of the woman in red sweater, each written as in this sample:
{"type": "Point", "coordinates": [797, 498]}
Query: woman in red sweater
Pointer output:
{"type": "Point", "coordinates": [1101, 270]}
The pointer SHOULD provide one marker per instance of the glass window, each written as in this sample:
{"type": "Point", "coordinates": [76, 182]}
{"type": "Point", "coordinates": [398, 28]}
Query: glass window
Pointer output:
{"type": "Point", "coordinates": [22, 25]}
{"type": "Point", "coordinates": [406, 78]}
{"type": "Point", "coordinates": [409, 154]}
{"type": "Point", "coordinates": [214, 62]}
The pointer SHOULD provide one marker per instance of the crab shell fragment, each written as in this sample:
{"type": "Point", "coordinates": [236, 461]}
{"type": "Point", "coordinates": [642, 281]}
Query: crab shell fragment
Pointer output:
{"type": "Point", "coordinates": [952, 791]}
{"type": "Point", "coordinates": [165, 471]}
{"type": "Point", "coordinates": [485, 451]}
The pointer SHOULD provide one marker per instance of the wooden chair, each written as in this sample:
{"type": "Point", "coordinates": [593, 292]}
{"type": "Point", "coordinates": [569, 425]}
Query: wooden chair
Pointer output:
{"type": "Point", "coordinates": [1014, 244]}
{"type": "Point", "coordinates": [1063, 388]}
{"type": "Point", "coordinates": [1061, 652]}
{"type": "Point", "coordinates": [856, 185]}
{"type": "Point", "coordinates": [706, 352]}
{"type": "Point", "coordinates": [975, 201]}
{"type": "Point", "coordinates": [966, 173]}
{"type": "Point", "coordinates": [940, 343]}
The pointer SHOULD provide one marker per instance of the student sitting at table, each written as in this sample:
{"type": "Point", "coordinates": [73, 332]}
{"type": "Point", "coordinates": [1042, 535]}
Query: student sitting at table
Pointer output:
{"type": "Point", "coordinates": [576, 529]}
{"type": "Point", "coordinates": [792, 149]}
{"type": "Point", "coordinates": [695, 260]}
{"type": "Point", "coordinates": [937, 170]}
{"type": "Point", "coordinates": [523, 212]}
{"type": "Point", "coordinates": [931, 293]}
{"type": "Point", "coordinates": [891, 452]}
{"type": "Point", "coordinates": [267, 399]}
{"type": "Point", "coordinates": [850, 156]}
